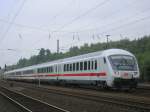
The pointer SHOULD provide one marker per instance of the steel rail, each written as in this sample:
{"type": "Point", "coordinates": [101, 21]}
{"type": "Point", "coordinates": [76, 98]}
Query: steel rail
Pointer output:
{"type": "Point", "coordinates": [29, 103]}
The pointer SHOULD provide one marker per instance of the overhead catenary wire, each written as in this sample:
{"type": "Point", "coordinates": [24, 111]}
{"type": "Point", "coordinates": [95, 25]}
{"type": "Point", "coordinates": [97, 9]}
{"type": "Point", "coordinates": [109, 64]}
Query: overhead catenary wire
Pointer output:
{"type": "Point", "coordinates": [120, 21]}
{"type": "Point", "coordinates": [90, 30]}
{"type": "Point", "coordinates": [12, 21]}
{"type": "Point", "coordinates": [106, 31]}
{"type": "Point", "coordinates": [32, 27]}
{"type": "Point", "coordinates": [123, 25]}
{"type": "Point", "coordinates": [42, 29]}
{"type": "Point", "coordinates": [112, 14]}
{"type": "Point", "coordinates": [129, 23]}
{"type": "Point", "coordinates": [118, 27]}
{"type": "Point", "coordinates": [60, 31]}
{"type": "Point", "coordinates": [46, 29]}
{"type": "Point", "coordinates": [83, 14]}
{"type": "Point", "coordinates": [9, 13]}
{"type": "Point", "coordinates": [36, 27]}
{"type": "Point", "coordinates": [18, 50]}
{"type": "Point", "coordinates": [60, 12]}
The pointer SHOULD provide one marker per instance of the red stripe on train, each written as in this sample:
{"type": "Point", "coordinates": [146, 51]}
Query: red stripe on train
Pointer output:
{"type": "Point", "coordinates": [67, 75]}
{"type": "Point", "coordinates": [81, 74]}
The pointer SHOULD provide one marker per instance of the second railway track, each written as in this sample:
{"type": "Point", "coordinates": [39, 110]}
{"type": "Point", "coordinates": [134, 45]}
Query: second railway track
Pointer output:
{"type": "Point", "coordinates": [29, 104]}
{"type": "Point", "coordinates": [127, 103]}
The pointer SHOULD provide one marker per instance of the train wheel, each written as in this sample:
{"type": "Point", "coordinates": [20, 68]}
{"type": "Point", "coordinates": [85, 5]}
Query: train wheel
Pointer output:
{"type": "Point", "coordinates": [104, 85]}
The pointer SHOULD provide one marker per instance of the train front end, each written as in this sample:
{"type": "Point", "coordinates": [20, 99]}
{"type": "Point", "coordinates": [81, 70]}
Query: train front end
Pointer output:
{"type": "Point", "coordinates": [125, 71]}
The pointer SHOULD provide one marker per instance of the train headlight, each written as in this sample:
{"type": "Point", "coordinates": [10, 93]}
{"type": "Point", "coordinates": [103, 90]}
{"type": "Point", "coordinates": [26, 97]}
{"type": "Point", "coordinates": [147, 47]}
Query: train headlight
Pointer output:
{"type": "Point", "coordinates": [116, 73]}
{"type": "Point", "coordinates": [135, 73]}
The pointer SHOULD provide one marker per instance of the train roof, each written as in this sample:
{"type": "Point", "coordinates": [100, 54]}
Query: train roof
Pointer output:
{"type": "Point", "coordinates": [74, 58]}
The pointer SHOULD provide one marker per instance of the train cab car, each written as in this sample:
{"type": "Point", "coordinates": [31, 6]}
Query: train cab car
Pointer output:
{"type": "Point", "coordinates": [122, 68]}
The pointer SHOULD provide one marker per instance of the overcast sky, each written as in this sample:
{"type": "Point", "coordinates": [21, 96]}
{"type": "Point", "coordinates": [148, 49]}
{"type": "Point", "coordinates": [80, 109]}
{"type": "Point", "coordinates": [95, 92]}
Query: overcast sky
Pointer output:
{"type": "Point", "coordinates": [28, 25]}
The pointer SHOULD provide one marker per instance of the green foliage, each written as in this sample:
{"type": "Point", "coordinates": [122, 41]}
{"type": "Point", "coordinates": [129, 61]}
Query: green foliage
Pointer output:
{"type": "Point", "coordinates": [140, 47]}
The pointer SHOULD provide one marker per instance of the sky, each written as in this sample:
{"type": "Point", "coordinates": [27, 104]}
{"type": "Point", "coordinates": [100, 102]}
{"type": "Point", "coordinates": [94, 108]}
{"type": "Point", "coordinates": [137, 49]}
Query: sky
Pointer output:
{"type": "Point", "coordinates": [28, 25]}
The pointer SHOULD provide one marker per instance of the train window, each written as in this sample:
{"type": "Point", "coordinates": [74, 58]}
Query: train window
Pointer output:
{"type": "Point", "coordinates": [45, 70]}
{"type": "Point", "coordinates": [81, 65]}
{"type": "Point", "coordinates": [52, 69]}
{"type": "Point", "coordinates": [56, 69]}
{"type": "Point", "coordinates": [85, 65]}
{"type": "Point", "coordinates": [39, 70]}
{"type": "Point", "coordinates": [30, 71]}
{"type": "Point", "coordinates": [77, 66]}
{"type": "Point", "coordinates": [18, 73]}
{"type": "Point", "coordinates": [104, 60]}
{"type": "Point", "coordinates": [92, 66]}
{"type": "Point", "coordinates": [95, 64]}
{"type": "Point", "coordinates": [67, 67]}
{"type": "Point", "coordinates": [64, 67]}
{"type": "Point", "coordinates": [70, 67]}
{"type": "Point", "coordinates": [89, 64]}
{"type": "Point", "coordinates": [49, 69]}
{"type": "Point", "coordinates": [74, 66]}
{"type": "Point", "coordinates": [42, 70]}
{"type": "Point", "coordinates": [12, 74]}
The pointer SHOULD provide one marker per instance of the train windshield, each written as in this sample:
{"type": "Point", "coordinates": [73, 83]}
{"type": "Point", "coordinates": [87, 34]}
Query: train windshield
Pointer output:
{"type": "Point", "coordinates": [123, 62]}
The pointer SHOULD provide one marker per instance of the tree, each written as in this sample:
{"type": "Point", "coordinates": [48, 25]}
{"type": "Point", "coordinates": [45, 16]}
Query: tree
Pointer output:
{"type": "Point", "coordinates": [41, 56]}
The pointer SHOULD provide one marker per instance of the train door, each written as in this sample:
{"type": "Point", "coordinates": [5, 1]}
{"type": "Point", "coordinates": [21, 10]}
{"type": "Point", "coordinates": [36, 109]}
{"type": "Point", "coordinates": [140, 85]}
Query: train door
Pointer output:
{"type": "Point", "coordinates": [56, 70]}
{"type": "Point", "coordinates": [104, 68]}
{"type": "Point", "coordinates": [107, 70]}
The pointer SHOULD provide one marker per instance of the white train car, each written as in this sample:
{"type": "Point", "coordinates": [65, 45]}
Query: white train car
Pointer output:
{"type": "Point", "coordinates": [107, 68]}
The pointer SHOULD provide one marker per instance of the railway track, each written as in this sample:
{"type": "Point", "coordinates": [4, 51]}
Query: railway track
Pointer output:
{"type": "Point", "coordinates": [132, 104]}
{"type": "Point", "coordinates": [129, 104]}
{"type": "Point", "coordinates": [144, 88]}
{"type": "Point", "coordinates": [27, 103]}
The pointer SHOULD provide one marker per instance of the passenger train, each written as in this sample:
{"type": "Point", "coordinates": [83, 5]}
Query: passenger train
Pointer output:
{"type": "Point", "coordinates": [114, 68]}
